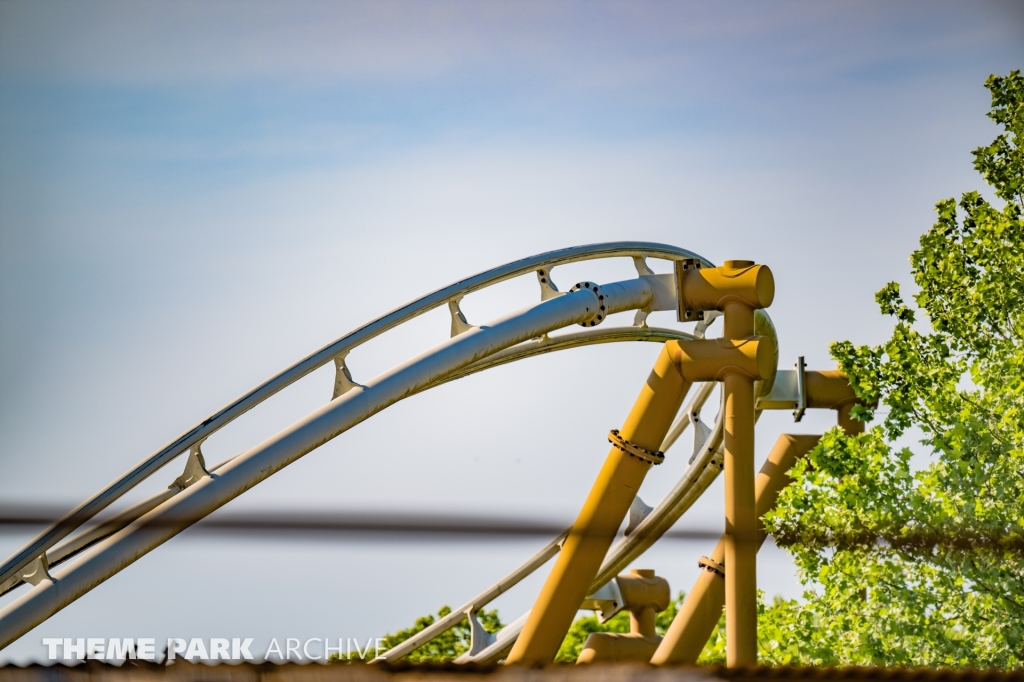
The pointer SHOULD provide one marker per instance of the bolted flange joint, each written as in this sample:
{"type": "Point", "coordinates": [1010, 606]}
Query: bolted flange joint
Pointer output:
{"type": "Point", "coordinates": [634, 450]}
{"type": "Point", "coordinates": [599, 313]}
{"type": "Point", "coordinates": [711, 566]}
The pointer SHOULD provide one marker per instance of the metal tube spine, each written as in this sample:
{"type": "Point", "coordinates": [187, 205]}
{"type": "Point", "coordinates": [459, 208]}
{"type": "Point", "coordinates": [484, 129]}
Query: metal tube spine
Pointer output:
{"type": "Point", "coordinates": [109, 556]}
{"type": "Point", "coordinates": [101, 500]}
{"type": "Point", "coordinates": [606, 505]}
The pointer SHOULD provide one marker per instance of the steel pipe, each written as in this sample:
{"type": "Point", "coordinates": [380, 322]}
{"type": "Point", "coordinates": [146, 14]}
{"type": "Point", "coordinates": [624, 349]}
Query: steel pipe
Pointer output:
{"type": "Point", "coordinates": [109, 556]}
{"type": "Point", "coordinates": [700, 611]}
{"type": "Point", "coordinates": [594, 529]}
{"type": "Point", "coordinates": [141, 471]}
{"type": "Point", "coordinates": [475, 604]}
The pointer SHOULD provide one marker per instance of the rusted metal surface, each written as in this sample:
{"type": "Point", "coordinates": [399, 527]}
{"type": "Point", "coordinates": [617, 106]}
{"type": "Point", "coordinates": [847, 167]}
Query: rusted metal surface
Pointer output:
{"type": "Point", "coordinates": [96, 671]}
{"type": "Point", "coordinates": [866, 673]}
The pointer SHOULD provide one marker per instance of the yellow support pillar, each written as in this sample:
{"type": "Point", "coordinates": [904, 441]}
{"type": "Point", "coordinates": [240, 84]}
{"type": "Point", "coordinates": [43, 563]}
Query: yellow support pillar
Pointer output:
{"type": "Point", "coordinates": [740, 514]}
{"type": "Point", "coordinates": [738, 288]}
{"type": "Point", "coordinates": [701, 609]}
{"type": "Point", "coordinates": [594, 529]}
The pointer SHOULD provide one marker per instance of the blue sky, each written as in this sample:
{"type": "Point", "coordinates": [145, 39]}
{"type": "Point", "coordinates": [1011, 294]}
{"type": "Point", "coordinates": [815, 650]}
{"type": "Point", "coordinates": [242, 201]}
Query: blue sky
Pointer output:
{"type": "Point", "coordinates": [194, 195]}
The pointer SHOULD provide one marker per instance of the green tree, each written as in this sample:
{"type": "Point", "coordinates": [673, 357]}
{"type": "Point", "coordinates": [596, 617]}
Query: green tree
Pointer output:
{"type": "Point", "coordinates": [925, 567]}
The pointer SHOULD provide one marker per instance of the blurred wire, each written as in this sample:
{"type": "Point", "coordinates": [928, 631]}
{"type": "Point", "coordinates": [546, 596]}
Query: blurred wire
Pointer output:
{"type": "Point", "coordinates": [390, 526]}
{"type": "Point", "coordinates": [294, 524]}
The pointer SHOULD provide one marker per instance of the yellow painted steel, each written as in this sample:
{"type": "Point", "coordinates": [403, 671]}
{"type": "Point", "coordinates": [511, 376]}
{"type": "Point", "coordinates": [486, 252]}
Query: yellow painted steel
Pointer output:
{"type": "Point", "coordinates": [737, 288]}
{"type": "Point", "coordinates": [714, 359]}
{"type": "Point", "coordinates": [693, 625]}
{"type": "Point", "coordinates": [739, 281]}
{"type": "Point", "coordinates": [830, 389]}
{"type": "Point", "coordinates": [618, 647]}
{"type": "Point", "coordinates": [644, 595]}
{"type": "Point", "coordinates": [598, 522]}
{"type": "Point", "coordinates": [740, 515]}
{"type": "Point", "coordinates": [701, 609]}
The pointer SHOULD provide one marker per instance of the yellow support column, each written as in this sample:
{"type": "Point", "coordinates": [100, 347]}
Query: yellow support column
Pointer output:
{"type": "Point", "coordinates": [606, 505]}
{"type": "Point", "coordinates": [701, 609]}
{"type": "Point", "coordinates": [738, 288]}
{"type": "Point", "coordinates": [740, 514]}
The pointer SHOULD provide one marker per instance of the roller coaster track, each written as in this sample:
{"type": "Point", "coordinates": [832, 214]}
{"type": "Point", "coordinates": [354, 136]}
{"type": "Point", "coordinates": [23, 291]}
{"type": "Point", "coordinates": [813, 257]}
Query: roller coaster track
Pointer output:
{"type": "Point", "coordinates": [75, 554]}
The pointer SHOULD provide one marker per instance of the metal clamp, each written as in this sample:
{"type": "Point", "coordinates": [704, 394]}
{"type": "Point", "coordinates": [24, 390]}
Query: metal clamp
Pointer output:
{"type": "Point", "coordinates": [479, 638]}
{"type": "Point", "coordinates": [634, 450]}
{"type": "Point", "coordinates": [459, 322]}
{"type": "Point", "coordinates": [34, 573]}
{"type": "Point", "coordinates": [343, 382]}
{"type": "Point", "coordinates": [712, 566]}
{"type": "Point", "coordinates": [706, 320]}
{"type": "Point", "coordinates": [701, 436]}
{"type": "Point", "coordinates": [638, 511]}
{"type": "Point", "coordinates": [606, 602]}
{"type": "Point", "coordinates": [801, 388]}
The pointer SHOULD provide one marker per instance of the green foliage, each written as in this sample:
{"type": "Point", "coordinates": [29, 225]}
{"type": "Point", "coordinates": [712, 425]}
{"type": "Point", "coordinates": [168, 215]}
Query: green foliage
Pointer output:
{"type": "Point", "coordinates": [920, 568]}
{"type": "Point", "coordinates": [581, 628]}
{"type": "Point", "coordinates": [445, 647]}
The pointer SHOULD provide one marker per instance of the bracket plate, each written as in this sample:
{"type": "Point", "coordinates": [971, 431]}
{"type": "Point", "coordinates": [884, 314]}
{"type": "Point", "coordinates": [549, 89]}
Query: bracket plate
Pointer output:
{"type": "Point", "coordinates": [479, 639]}
{"type": "Point", "coordinates": [195, 468]}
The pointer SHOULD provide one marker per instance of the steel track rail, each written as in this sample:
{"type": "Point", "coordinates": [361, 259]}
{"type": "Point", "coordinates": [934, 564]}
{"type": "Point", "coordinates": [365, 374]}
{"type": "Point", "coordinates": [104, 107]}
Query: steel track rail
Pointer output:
{"type": "Point", "coordinates": [338, 348]}
{"type": "Point", "coordinates": [208, 493]}
{"type": "Point", "coordinates": [74, 545]}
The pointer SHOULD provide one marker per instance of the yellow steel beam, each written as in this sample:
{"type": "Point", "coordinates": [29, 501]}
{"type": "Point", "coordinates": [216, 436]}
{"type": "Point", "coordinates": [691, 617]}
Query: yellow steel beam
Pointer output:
{"type": "Point", "coordinates": [702, 607]}
{"type": "Point", "coordinates": [737, 288]}
{"type": "Point", "coordinates": [830, 389]}
{"type": "Point", "coordinates": [598, 522]}
{"type": "Point", "coordinates": [693, 625]}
